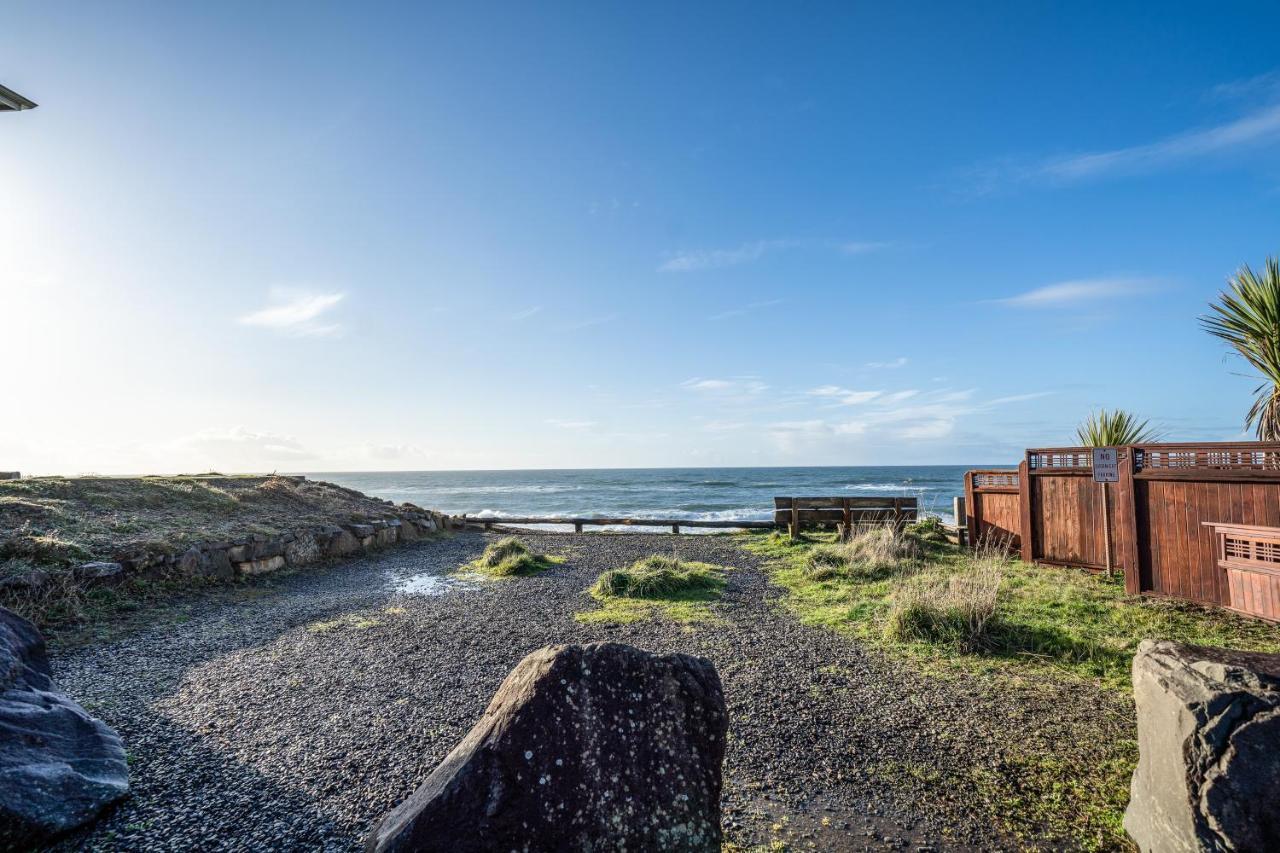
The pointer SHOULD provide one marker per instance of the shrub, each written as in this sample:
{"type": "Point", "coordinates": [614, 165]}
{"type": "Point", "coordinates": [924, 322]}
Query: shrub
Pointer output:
{"type": "Point", "coordinates": [956, 610]}
{"type": "Point", "coordinates": [929, 531]}
{"type": "Point", "coordinates": [656, 576]}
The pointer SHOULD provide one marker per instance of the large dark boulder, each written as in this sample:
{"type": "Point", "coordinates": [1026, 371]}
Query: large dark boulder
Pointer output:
{"type": "Point", "coordinates": [583, 748]}
{"type": "Point", "coordinates": [1208, 775]}
{"type": "Point", "coordinates": [59, 766]}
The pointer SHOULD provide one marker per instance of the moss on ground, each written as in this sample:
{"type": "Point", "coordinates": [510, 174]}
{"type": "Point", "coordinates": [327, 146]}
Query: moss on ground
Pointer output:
{"type": "Point", "coordinates": [656, 586]}
{"type": "Point", "coordinates": [1050, 628]}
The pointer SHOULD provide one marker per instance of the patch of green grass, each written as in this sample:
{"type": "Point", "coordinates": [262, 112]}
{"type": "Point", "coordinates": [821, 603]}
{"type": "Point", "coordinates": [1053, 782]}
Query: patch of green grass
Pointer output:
{"type": "Point", "coordinates": [656, 586]}
{"type": "Point", "coordinates": [1073, 622]}
{"type": "Point", "coordinates": [351, 620]}
{"type": "Point", "coordinates": [509, 557]}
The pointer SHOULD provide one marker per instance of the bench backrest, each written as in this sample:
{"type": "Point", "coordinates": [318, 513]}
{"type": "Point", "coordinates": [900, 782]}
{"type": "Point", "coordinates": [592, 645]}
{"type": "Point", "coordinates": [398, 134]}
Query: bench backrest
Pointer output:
{"type": "Point", "coordinates": [844, 510]}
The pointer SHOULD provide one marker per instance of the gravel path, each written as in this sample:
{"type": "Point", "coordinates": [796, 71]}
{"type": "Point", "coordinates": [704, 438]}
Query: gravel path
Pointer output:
{"type": "Point", "coordinates": [290, 717]}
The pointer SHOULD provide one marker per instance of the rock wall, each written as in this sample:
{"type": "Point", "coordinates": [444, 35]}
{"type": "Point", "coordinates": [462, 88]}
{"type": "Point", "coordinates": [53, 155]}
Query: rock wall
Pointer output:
{"type": "Point", "coordinates": [259, 553]}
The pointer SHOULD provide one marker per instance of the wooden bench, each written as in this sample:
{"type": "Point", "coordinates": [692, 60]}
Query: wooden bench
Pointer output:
{"type": "Point", "coordinates": [844, 512]}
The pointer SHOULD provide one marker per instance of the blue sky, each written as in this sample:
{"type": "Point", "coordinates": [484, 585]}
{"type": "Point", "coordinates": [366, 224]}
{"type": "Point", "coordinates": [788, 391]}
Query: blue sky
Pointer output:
{"type": "Point", "coordinates": [248, 236]}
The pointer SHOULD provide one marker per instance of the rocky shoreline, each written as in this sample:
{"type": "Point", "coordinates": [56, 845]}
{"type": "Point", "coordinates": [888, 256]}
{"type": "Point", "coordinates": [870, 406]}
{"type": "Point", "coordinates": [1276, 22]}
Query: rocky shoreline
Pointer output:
{"type": "Point", "coordinates": [293, 720]}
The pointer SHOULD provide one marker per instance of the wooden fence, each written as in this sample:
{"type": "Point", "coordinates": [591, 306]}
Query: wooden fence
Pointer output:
{"type": "Point", "coordinates": [1192, 521]}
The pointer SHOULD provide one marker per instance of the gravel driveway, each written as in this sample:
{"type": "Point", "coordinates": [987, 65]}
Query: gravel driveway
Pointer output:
{"type": "Point", "coordinates": [290, 717]}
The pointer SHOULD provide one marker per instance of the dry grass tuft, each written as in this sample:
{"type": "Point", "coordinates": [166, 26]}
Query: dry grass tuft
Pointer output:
{"type": "Point", "coordinates": [956, 610]}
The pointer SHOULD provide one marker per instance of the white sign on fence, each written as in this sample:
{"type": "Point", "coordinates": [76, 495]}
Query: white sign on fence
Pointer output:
{"type": "Point", "coordinates": [1106, 465]}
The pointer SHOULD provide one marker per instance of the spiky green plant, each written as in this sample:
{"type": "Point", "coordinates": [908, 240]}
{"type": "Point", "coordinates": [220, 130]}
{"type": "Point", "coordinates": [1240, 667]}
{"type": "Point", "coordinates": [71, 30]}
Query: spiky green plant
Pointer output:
{"type": "Point", "coordinates": [1113, 428]}
{"type": "Point", "coordinates": [1247, 316]}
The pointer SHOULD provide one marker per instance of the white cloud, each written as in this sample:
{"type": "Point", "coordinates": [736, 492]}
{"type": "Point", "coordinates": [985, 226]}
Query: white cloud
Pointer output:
{"type": "Point", "coordinates": [238, 449]}
{"type": "Point", "coordinates": [723, 426]}
{"type": "Point", "coordinates": [705, 259]}
{"type": "Point", "coordinates": [1079, 291]}
{"type": "Point", "coordinates": [882, 419]}
{"type": "Point", "coordinates": [297, 313]}
{"type": "Point", "coordinates": [844, 396]}
{"type": "Point", "coordinates": [526, 313]}
{"type": "Point", "coordinates": [566, 424]}
{"type": "Point", "coordinates": [745, 386]}
{"type": "Point", "coordinates": [862, 247]}
{"type": "Point", "coordinates": [1257, 128]}
{"type": "Point", "coordinates": [900, 361]}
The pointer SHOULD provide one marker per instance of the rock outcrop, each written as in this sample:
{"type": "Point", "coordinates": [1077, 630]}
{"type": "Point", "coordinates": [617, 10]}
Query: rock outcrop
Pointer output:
{"type": "Point", "coordinates": [59, 766]}
{"type": "Point", "coordinates": [597, 747]}
{"type": "Point", "coordinates": [1208, 773]}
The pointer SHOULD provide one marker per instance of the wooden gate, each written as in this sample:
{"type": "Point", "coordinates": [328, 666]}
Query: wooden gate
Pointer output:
{"type": "Point", "coordinates": [992, 507]}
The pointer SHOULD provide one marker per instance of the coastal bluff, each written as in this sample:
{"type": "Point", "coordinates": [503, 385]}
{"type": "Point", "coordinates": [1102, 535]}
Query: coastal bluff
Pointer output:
{"type": "Point", "coordinates": [62, 535]}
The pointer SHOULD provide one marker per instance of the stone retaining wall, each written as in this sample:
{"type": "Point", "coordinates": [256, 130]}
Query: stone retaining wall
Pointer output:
{"type": "Point", "coordinates": [262, 553]}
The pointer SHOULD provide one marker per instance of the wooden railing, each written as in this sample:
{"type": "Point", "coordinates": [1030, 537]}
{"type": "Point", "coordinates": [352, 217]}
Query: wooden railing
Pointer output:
{"type": "Point", "coordinates": [489, 522]}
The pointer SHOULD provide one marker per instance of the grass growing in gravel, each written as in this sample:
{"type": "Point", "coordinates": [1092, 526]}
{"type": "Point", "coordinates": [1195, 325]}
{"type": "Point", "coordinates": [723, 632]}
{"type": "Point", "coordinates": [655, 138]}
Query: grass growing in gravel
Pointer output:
{"type": "Point", "coordinates": [509, 557]}
{"type": "Point", "coordinates": [960, 614]}
{"type": "Point", "coordinates": [656, 585]}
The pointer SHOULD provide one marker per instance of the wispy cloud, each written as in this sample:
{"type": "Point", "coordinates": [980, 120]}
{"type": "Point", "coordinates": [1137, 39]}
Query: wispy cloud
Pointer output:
{"type": "Point", "coordinates": [297, 313]}
{"type": "Point", "coordinates": [900, 361]}
{"type": "Point", "coordinates": [1080, 291]}
{"type": "Point", "coordinates": [526, 313]}
{"type": "Point", "coordinates": [246, 449]}
{"type": "Point", "coordinates": [706, 259]}
{"type": "Point", "coordinates": [1259, 127]}
{"type": "Point", "coordinates": [1265, 85]}
{"type": "Point", "coordinates": [863, 247]}
{"type": "Point", "coordinates": [742, 386]}
{"type": "Point", "coordinates": [723, 426]}
{"type": "Point", "coordinates": [566, 424]}
{"type": "Point", "coordinates": [844, 396]}
{"type": "Point", "coordinates": [745, 309]}
{"type": "Point", "coordinates": [888, 417]}
{"type": "Point", "coordinates": [1255, 129]}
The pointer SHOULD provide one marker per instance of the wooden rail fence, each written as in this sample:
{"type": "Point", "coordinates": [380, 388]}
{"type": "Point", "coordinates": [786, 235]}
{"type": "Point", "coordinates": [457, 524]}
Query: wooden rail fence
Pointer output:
{"type": "Point", "coordinates": [488, 522]}
{"type": "Point", "coordinates": [1192, 521]}
{"type": "Point", "coordinates": [792, 512]}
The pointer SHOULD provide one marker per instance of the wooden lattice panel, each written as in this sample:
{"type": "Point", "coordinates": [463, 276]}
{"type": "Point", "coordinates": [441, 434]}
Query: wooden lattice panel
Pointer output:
{"type": "Point", "coordinates": [1250, 555]}
{"type": "Point", "coordinates": [996, 480]}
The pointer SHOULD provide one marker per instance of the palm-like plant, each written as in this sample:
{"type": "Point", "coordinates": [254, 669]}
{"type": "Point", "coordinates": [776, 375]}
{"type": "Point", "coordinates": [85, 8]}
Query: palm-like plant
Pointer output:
{"type": "Point", "coordinates": [1112, 429]}
{"type": "Point", "coordinates": [1248, 318]}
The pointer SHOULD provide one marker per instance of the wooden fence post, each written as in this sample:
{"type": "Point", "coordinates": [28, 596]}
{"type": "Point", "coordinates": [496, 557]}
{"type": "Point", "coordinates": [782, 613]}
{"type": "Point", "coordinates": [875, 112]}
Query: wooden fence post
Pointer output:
{"type": "Point", "coordinates": [1127, 524]}
{"type": "Point", "coordinates": [970, 521]}
{"type": "Point", "coordinates": [1024, 508]}
{"type": "Point", "coordinates": [795, 518]}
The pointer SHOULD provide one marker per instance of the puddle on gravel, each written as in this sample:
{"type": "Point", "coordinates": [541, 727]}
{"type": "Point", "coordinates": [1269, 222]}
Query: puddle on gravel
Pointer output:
{"type": "Point", "coordinates": [427, 584]}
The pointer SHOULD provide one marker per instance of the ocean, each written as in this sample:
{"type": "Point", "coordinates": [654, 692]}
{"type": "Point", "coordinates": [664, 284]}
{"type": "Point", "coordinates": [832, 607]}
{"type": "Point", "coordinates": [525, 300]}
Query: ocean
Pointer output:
{"type": "Point", "coordinates": [730, 494]}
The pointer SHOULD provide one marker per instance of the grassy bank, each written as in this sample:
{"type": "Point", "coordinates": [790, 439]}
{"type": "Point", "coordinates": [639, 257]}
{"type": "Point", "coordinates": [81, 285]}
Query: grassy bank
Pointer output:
{"type": "Point", "coordinates": [681, 591]}
{"type": "Point", "coordinates": [1032, 629]}
{"type": "Point", "coordinates": [50, 526]}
